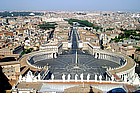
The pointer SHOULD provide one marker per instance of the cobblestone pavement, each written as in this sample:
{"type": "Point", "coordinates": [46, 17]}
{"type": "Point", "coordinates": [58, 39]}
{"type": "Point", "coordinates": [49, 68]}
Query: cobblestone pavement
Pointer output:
{"type": "Point", "coordinates": [66, 63]}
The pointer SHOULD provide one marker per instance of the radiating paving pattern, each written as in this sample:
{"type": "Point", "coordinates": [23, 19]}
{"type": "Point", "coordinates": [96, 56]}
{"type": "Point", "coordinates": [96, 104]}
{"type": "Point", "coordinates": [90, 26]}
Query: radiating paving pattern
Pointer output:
{"type": "Point", "coordinates": [82, 63]}
{"type": "Point", "coordinates": [87, 64]}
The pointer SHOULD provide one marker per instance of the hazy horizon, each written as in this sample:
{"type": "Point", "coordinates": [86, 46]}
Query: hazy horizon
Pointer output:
{"type": "Point", "coordinates": [78, 5]}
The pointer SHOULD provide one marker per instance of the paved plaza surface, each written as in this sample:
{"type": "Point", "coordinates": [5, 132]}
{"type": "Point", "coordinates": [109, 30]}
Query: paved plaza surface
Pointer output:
{"type": "Point", "coordinates": [76, 61]}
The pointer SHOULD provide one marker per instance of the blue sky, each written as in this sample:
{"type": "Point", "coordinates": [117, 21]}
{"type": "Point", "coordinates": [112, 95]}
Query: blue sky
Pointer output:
{"type": "Point", "coordinates": [107, 5]}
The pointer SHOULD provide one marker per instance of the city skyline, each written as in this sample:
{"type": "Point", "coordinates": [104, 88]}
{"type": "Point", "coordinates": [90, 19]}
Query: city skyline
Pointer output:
{"type": "Point", "coordinates": [89, 5]}
{"type": "Point", "coordinates": [58, 51]}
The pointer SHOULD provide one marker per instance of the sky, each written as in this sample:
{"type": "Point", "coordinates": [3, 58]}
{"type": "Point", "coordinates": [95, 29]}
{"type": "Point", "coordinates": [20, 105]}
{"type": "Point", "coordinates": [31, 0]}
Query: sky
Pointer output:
{"type": "Point", "coordinates": [71, 5]}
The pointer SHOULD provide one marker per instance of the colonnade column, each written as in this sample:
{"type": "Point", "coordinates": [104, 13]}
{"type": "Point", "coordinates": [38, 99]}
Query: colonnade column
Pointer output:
{"type": "Point", "coordinates": [51, 55]}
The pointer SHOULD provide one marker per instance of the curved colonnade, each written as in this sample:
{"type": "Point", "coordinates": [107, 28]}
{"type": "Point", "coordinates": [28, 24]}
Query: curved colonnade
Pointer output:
{"type": "Point", "coordinates": [125, 72]}
{"type": "Point", "coordinates": [39, 56]}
